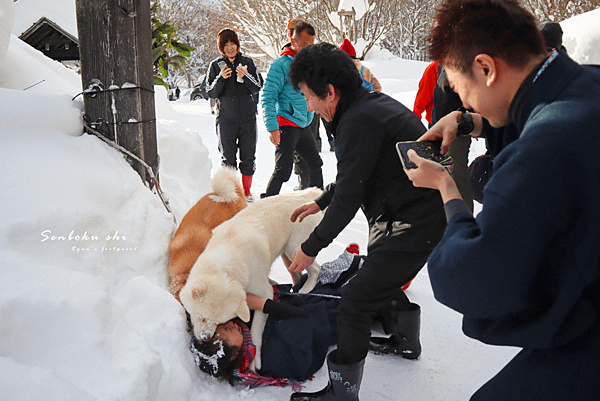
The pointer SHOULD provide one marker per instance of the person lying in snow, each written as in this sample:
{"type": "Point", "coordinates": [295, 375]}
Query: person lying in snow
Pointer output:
{"type": "Point", "coordinates": [296, 338]}
{"type": "Point", "coordinates": [299, 331]}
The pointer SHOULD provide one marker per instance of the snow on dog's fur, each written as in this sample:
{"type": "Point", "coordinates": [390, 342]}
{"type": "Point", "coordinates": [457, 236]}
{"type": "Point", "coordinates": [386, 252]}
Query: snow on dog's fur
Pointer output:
{"type": "Point", "coordinates": [238, 258]}
{"type": "Point", "coordinates": [196, 227]}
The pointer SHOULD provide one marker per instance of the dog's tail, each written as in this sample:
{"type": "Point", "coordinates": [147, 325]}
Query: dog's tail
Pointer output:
{"type": "Point", "coordinates": [226, 185]}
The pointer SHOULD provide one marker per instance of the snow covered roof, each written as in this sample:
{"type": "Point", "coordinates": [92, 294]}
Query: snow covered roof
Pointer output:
{"type": "Point", "coordinates": [61, 12]}
{"type": "Point", "coordinates": [49, 38]}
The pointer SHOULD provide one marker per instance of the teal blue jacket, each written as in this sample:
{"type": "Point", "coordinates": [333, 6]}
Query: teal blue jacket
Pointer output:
{"type": "Point", "coordinates": [279, 98]}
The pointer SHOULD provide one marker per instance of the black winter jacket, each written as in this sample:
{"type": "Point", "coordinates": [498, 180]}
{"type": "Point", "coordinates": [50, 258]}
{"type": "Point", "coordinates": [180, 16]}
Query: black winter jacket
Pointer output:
{"type": "Point", "coordinates": [235, 99]}
{"type": "Point", "coordinates": [401, 217]}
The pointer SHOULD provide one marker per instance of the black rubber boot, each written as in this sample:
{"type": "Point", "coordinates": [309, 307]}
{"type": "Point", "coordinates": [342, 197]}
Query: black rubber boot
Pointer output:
{"type": "Point", "coordinates": [405, 327]}
{"type": "Point", "coordinates": [344, 382]}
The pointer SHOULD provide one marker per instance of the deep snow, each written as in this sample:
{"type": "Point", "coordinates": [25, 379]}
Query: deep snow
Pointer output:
{"type": "Point", "coordinates": [84, 309]}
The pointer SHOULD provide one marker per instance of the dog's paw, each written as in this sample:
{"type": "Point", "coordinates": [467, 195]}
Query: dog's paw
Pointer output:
{"type": "Point", "coordinates": [305, 290]}
{"type": "Point", "coordinates": [255, 365]}
{"type": "Point", "coordinates": [313, 275]}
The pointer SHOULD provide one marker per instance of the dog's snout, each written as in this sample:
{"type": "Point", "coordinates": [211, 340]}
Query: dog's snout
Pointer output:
{"type": "Point", "coordinates": [203, 329]}
{"type": "Point", "coordinates": [205, 335]}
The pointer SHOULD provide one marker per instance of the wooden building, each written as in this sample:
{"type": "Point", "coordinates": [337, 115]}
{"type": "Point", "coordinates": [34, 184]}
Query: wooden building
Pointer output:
{"type": "Point", "coordinates": [49, 38]}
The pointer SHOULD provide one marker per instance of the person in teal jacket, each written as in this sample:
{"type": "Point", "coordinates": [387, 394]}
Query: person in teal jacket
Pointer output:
{"type": "Point", "coordinates": [287, 118]}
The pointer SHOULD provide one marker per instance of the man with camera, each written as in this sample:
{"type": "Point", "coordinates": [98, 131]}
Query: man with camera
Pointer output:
{"type": "Point", "coordinates": [526, 272]}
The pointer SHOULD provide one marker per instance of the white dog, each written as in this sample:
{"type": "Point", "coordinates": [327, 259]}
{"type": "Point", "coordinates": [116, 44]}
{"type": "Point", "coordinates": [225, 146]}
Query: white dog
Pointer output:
{"type": "Point", "coordinates": [238, 259]}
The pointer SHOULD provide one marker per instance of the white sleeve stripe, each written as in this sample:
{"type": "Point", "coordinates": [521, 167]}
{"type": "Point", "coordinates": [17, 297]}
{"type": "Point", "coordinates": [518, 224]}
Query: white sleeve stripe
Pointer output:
{"type": "Point", "coordinates": [254, 80]}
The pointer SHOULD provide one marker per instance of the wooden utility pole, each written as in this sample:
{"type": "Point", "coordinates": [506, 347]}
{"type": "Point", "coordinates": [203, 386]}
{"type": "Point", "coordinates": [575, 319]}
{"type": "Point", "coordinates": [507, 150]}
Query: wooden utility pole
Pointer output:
{"type": "Point", "coordinates": [115, 44]}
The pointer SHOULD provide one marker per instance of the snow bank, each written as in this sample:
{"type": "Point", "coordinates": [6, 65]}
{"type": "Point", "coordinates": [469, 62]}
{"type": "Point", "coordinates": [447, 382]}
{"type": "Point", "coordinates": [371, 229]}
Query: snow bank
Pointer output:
{"type": "Point", "coordinates": [581, 37]}
{"type": "Point", "coordinates": [25, 67]}
{"type": "Point", "coordinates": [84, 310]}
{"type": "Point", "coordinates": [83, 255]}
{"type": "Point", "coordinates": [186, 177]}
{"type": "Point", "coordinates": [7, 14]}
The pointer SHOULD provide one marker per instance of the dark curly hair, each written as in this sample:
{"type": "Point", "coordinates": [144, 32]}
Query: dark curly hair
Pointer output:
{"type": "Point", "coordinates": [502, 29]}
{"type": "Point", "coordinates": [215, 357]}
{"type": "Point", "coordinates": [322, 64]}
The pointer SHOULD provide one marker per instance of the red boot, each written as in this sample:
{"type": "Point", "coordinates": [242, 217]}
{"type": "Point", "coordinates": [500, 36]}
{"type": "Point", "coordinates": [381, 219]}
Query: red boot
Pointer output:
{"type": "Point", "coordinates": [247, 183]}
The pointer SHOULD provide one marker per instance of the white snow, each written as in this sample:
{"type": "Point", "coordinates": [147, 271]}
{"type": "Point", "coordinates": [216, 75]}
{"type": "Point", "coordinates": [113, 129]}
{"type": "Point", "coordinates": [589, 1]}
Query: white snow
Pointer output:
{"type": "Point", "coordinates": [61, 12]}
{"type": "Point", "coordinates": [359, 6]}
{"type": "Point", "coordinates": [7, 15]}
{"type": "Point", "coordinates": [85, 313]}
{"type": "Point", "coordinates": [581, 37]}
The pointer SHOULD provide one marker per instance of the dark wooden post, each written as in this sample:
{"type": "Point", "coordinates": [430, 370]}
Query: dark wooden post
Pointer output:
{"type": "Point", "coordinates": [115, 44]}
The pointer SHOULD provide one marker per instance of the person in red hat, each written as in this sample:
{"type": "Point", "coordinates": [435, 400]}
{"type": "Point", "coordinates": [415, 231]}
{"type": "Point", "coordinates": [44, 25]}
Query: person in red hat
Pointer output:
{"type": "Point", "coordinates": [369, 80]}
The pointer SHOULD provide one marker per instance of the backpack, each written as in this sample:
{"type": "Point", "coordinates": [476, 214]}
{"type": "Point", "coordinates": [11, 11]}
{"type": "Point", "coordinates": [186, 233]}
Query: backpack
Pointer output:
{"type": "Point", "coordinates": [366, 84]}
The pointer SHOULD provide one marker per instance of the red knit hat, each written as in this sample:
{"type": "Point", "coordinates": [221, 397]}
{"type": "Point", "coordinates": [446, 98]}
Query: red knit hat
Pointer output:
{"type": "Point", "coordinates": [348, 48]}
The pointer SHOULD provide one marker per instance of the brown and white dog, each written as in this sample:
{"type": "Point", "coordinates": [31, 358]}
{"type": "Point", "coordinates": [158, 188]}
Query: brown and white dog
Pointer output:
{"type": "Point", "coordinates": [197, 225]}
{"type": "Point", "coordinates": [238, 259]}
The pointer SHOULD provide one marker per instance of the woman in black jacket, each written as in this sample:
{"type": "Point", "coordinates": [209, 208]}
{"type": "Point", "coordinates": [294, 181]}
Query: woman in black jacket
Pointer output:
{"type": "Point", "coordinates": [233, 80]}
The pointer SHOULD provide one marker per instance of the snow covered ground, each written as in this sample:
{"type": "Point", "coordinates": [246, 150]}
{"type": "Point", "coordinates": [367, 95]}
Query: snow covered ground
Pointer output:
{"type": "Point", "coordinates": [84, 309]}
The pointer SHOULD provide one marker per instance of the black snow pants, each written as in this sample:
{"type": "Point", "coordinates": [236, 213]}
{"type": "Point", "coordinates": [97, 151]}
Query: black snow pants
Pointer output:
{"type": "Point", "coordinates": [376, 284]}
{"type": "Point", "coordinates": [234, 136]}
{"type": "Point", "coordinates": [302, 141]}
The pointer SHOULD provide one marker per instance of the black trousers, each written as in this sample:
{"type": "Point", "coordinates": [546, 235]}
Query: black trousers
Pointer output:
{"type": "Point", "coordinates": [302, 141]}
{"type": "Point", "coordinates": [376, 284]}
{"type": "Point", "coordinates": [300, 166]}
{"type": "Point", "coordinates": [234, 136]}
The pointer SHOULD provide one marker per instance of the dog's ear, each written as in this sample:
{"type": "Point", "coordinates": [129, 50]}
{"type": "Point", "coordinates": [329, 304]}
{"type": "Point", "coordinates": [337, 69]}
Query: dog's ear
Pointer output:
{"type": "Point", "coordinates": [199, 291]}
{"type": "Point", "coordinates": [243, 311]}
